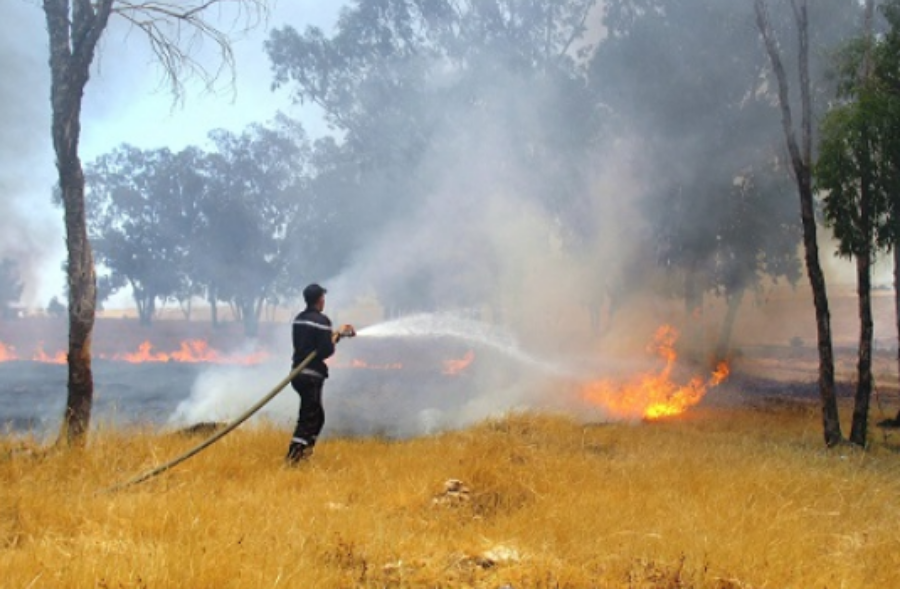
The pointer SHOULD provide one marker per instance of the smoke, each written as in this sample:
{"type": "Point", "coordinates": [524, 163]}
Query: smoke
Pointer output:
{"type": "Point", "coordinates": [524, 209]}
{"type": "Point", "coordinates": [30, 229]}
{"type": "Point", "coordinates": [480, 252]}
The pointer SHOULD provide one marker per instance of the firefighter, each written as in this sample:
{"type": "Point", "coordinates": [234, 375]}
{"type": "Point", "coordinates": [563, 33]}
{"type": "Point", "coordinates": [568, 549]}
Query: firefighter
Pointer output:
{"type": "Point", "coordinates": [311, 332]}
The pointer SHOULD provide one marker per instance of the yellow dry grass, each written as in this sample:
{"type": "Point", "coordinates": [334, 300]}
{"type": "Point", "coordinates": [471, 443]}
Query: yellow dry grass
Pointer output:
{"type": "Point", "coordinates": [725, 499]}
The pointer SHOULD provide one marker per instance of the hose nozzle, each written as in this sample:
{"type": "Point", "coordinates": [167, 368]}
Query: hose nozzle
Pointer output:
{"type": "Point", "coordinates": [346, 331]}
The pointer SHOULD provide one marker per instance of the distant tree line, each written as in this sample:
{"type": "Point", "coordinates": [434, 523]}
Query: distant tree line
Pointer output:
{"type": "Point", "coordinates": [218, 224]}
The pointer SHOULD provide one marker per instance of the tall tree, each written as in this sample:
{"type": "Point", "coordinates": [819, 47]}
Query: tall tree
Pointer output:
{"type": "Point", "coordinates": [143, 213]}
{"type": "Point", "coordinates": [801, 161]}
{"type": "Point", "coordinates": [887, 80]}
{"type": "Point", "coordinates": [715, 198]}
{"type": "Point", "coordinates": [256, 185]}
{"type": "Point", "coordinates": [860, 167]}
{"type": "Point", "coordinates": [75, 27]}
{"type": "Point", "coordinates": [849, 176]}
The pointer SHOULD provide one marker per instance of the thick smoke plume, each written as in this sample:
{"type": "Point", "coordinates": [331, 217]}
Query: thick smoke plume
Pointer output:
{"type": "Point", "coordinates": [482, 240]}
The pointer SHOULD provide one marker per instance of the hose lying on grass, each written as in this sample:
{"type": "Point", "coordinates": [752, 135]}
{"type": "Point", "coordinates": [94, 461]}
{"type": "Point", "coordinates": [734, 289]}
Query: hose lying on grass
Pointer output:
{"type": "Point", "coordinates": [219, 434]}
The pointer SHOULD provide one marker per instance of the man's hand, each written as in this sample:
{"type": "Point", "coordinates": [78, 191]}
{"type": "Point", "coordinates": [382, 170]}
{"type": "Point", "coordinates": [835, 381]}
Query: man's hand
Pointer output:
{"type": "Point", "coordinates": [346, 330]}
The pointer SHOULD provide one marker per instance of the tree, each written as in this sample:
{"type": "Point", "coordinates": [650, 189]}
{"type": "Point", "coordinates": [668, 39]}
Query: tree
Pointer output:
{"type": "Point", "coordinates": [855, 147]}
{"type": "Point", "coordinates": [10, 285]}
{"type": "Point", "coordinates": [714, 199]}
{"type": "Point", "coordinates": [887, 80]}
{"type": "Point", "coordinates": [144, 211]}
{"type": "Point", "coordinates": [75, 28]}
{"type": "Point", "coordinates": [801, 163]}
{"type": "Point", "coordinates": [255, 186]}
{"type": "Point", "coordinates": [859, 170]}
{"type": "Point", "coordinates": [760, 235]}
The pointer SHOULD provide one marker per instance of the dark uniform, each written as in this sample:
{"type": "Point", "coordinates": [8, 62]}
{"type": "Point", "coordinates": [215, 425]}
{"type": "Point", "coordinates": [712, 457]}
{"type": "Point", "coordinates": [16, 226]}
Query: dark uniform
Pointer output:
{"type": "Point", "coordinates": [311, 331]}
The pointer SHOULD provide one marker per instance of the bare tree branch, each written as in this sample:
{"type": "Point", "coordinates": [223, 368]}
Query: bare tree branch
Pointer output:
{"type": "Point", "coordinates": [765, 29]}
{"type": "Point", "coordinates": [178, 30]}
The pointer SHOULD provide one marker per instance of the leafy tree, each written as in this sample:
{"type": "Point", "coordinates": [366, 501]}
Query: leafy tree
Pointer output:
{"type": "Point", "coordinates": [886, 81]}
{"type": "Point", "coordinates": [858, 175]}
{"type": "Point", "coordinates": [256, 181]}
{"type": "Point", "coordinates": [801, 161]}
{"type": "Point", "coordinates": [10, 285]}
{"type": "Point", "coordinates": [846, 174]}
{"type": "Point", "coordinates": [324, 230]}
{"type": "Point", "coordinates": [144, 212]}
{"type": "Point", "coordinates": [75, 29]}
{"type": "Point", "coordinates": [682, 77]}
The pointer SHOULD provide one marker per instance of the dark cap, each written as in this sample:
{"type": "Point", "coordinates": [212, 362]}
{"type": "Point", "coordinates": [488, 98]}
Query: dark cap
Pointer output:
{"type": "Point", "coordinates": [312, 294]}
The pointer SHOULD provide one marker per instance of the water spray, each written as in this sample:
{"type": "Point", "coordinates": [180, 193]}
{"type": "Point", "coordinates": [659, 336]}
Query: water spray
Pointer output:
{"type": "Point", "coordinates": [437, 325]}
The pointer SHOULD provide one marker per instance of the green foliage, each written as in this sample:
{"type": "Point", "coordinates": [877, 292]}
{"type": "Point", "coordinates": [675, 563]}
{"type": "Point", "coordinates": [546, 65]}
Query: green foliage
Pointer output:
{"type": "Point", "coordinates": [254, 191]}
{"type": "Point", "coordinates": [860, 147]}
{"type": "Point", "coordinates": [173, 225]}
{"type": "Point", "coordinates": [845, 154]}
{"type": "Point", "coordinates": [142, 214]}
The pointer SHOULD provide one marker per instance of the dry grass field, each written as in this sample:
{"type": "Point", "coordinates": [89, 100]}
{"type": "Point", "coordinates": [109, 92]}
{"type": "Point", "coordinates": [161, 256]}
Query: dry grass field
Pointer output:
{"type": "Point", "coordinates": [722, 498]}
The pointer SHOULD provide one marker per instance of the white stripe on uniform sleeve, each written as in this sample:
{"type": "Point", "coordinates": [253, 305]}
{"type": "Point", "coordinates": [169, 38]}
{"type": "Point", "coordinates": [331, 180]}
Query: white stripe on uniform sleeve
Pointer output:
{"type": "Point", "coordinates": [312, 324]}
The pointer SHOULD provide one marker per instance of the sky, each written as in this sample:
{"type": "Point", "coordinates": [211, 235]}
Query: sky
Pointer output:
{"type": "Point", "coordinates": [125, 101]}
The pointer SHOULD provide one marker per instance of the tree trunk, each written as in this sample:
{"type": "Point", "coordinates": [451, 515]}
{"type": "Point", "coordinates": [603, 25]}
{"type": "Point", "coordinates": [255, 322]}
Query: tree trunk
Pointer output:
{"type": "Point", "coordinates": [864, 363]}
{"type": "Point", "coordinates": [213, 308]}
{"type": "Point", "coordinates": [801, 162]}
{"type": "Point", "coordinates": [74, 32]}
{"type": "Point", "coordinates": [146, 305]}
{"type": "Point", "coordinates": [186, 307]}
{"type": "Point", "coordinates": [250, 318]}
{"type": "Point", "coordinates": [860, 422]}
{"type": "Point", "coordinates": [897, 290]}
{"type": "Point", "coordinates": [723, 347]}
{"type": "Point", "coordinates": [82, 301]}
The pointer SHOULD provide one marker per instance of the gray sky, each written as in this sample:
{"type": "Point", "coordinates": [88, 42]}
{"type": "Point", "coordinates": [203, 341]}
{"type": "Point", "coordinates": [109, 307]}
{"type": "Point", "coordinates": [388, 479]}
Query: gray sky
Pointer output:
{"type": "Point", "coordinates": [124, 102]}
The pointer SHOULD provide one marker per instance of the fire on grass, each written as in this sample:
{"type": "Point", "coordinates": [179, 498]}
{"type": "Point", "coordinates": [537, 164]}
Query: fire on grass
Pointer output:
{"type": "Point", "coordinates": [653, 395]}
{"type": "Point", "coordinates": [192, 351]}
{"type": "Point", "coordinates": [195, 351]}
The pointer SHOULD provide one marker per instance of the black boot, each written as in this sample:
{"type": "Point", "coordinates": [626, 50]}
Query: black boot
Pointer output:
{"type": "Point", "coordinates": [297, 453]}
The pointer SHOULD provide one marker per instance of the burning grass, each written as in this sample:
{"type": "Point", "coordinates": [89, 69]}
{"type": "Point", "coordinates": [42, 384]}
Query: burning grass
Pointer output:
{"type": "Point", "coordinates": [654, 394]}
{"type": "Point", "coordinates": [724, 499]}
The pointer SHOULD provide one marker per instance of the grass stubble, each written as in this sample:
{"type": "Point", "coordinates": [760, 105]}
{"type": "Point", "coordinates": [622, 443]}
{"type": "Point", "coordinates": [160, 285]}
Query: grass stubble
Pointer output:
{"type": "Point", "coordinates": [724, 498]}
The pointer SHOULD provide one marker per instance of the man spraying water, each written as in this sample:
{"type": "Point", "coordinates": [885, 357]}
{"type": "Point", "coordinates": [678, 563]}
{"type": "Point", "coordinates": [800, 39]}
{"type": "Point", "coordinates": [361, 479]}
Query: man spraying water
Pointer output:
{"type": "Point", "coordinates": [311, 333]}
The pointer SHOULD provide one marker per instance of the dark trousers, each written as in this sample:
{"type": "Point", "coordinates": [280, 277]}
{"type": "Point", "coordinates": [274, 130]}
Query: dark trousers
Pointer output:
{"type": "Point", "coordinates": [311, 416]}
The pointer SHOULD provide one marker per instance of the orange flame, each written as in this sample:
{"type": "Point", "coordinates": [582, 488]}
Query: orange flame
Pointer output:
{"type": "Point", "coordinates": [455, 367]}
{"type": "Point", "coordinates": [189, 351]}
{"type": "Point", "coordinates": [7, 353]}
{"type": "Point", "coordinates": [41, 356]}
{"type": "Point", "coordinates": [653, 396]}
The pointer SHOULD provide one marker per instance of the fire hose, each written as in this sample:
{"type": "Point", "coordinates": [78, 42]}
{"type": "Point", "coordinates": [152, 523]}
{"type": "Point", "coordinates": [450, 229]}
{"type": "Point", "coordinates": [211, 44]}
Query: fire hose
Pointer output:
{"type": "Point", "coordinates": [346, 331]}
